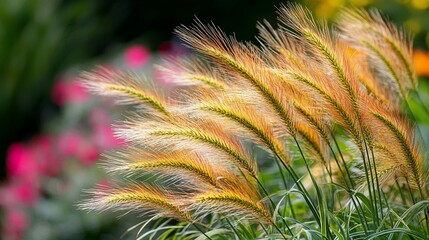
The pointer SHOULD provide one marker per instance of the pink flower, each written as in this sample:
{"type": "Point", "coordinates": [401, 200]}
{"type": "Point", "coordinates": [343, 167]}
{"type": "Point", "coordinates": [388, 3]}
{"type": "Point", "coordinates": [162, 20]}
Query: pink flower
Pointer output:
{"type": "Point", "coordinates": [19, 192]}
{"type": "Point", "coordinates": [99, 116]}
{"type": "Point", "coordinates": [103, 135]}
{"type": "Point", "coordinates": [73, 144]}
{"type": "Point", "coordinates": [69, 143]}
{"type": "Point", "coordinates": [65, 92]}
{"type": "Point", "coordinates": [76, 92]}
{"type": "Point", "coordinates": [17, 222]}
{"type": "Point", "coordinates": [20, 162]}
{"type": "Point", "coordinates": [25, 192]}
{"type": "Point", "coordinates": [136, 56]}
{"type": "Point", "coordinates": [44, 150]}
{"type": "Point", "coordinates": [105, 138]}
{"type": "Point", "coordinates": [88, 153]}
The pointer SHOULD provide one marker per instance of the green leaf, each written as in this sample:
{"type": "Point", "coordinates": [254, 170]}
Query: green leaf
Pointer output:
{"type": "Point", "coordinates": [411, 233]}
{"type": "Point", "coordinates": [214, 232]}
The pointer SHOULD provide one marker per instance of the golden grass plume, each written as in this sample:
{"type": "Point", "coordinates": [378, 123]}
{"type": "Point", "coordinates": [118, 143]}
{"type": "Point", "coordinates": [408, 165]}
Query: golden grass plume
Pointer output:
{"type": "Point", "coordinates": [305, 82]}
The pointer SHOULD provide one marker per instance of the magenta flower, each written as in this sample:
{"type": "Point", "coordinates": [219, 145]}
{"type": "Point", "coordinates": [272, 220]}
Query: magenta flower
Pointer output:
{"type": "Point", "coordinates": [20, 162]}
{"type": "Point", "coordinates": [76, 93]}
{"type": "Point", "coordinates": [44, 150]}
{"type": "Point", "coordinates": [99, 116]}
{"type": "Point", "coordinates": [103, 135]}
{"type": "Point", "coordinates": [105, 138]}
{"type": "Point", "coordinates": [17, 222]}
{"type": "Point", "coordinates": [136, 56]}
{"type": "Point", "coordinates": [65, 92]}
{"type": "Point", "coordinates": [19, 192]}
{"type": "Point", "coordinates": [73, 144]}
{"type": "Point", "coordinates": [25, 192]}
{"type": "Point", "coordinates": [88, 153]}
{"type": "Point", "coordinates": [69, 143]}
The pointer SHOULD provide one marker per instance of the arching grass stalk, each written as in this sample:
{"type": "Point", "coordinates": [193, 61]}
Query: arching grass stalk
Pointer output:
{"type": "Point", "coordinates": [264, 229]}
{"type": "Point", "coordinates": [323, 218]}
{"type": "Point", "coordinates": [301, 188]}
{"type": "Point", "coordinates": [274, 207]}
{"type": "Point", "coordinates": [292, 211]}
{"type": "Point", "coordinates": [371, 176]}
{"type": "Point", "coordinates": [348, 181]}
{"type": "Point", "coordinates": [286, 187]}
{"type": "Point", "coordinates": [404, 201]}
{"type": "Point", "coordinates": [380, 191]}
{"type": "Point", "coordinates": [424, 142]}
{"type": "Point", "coordinates": [368, 182]}
{"type": "Point", "coordinates": [330, 186]}
{"type": "Point", "coordinates": [280, 231]}
{"type": "Point", "coordinates": [272, 204]}
{"type": "Point", "coordinates": [414, 200]}
{"type": "Point", "coordinates": [389, 209]}
{"type": "Point", "coordinates": [201, 231]}
{"type": "Point", "coordinates": [288, 197]}
{"type": "Point", "coordinates": [356, 203]}
{"type": "Point", "coordinates": [352, 184]}
{"type": "Point", "coordinates": [413, 118]}
{"type": "Point", "coordinates": [409, 191]}
{"type": "Point", "coordinates": [409, 156]}
{"type": "Point", "coordinates": [422, 103]}
{"type": "Point", "coordinates": [234, 230]}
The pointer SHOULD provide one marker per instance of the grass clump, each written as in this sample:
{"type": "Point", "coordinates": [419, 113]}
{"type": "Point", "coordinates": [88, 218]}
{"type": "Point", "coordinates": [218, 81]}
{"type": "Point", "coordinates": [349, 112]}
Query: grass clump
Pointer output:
{"type": "Point", "coordinates": [325, 104]}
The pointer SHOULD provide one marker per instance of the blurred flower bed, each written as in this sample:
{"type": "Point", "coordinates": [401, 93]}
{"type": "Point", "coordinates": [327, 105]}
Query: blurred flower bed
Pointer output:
{"type": "Point", "coordinates": [46, 175]}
